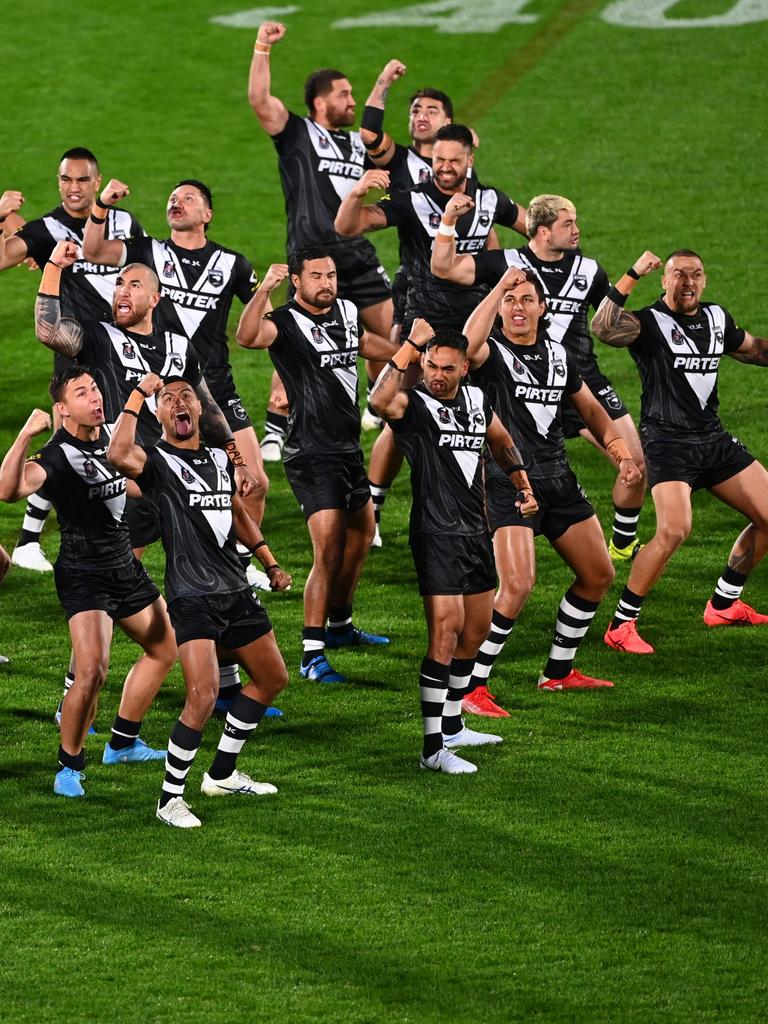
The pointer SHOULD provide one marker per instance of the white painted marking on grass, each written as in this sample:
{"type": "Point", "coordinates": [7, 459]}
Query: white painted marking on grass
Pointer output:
{"type": "Point", "coordinates": [652, 14]}
{"type": "Point", "coordinates": [458, 17]}
{"type": "Point", "coordinates": [253, 17]}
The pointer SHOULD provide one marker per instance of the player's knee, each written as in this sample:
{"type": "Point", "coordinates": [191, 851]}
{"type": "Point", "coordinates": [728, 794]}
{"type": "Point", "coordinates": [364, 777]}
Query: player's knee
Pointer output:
{"type": "Point", "coordinates": [672, 535]}
{"type": "Point", "coordinates": [91, 676]}
{"type": "Point", "coordinates": [514, 591]}
{"type": "Point", "coordinates": [603, 576]}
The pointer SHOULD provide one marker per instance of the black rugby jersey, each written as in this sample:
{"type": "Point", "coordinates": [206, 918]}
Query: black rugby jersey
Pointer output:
{"type": "Point", "coordinates": [443, 442]}
{"type": "Point", "coordinates": [119, 360]}
{"type": "Point", "coordinates": [316, 357]}
{"type": "Point", "coordinates": [527, 385]}
{"type": "Point", "coordinates": [86, 288]}
{"type": "Point", "coordinates": [678, 358]}
{"type": "Point", "coordinates": [407, 168]}
{"type": "Point", "coordinates": [318, 167]}
{"type": "Point", "coordinates": [572, 285]}
{"type": "Point", "coordinates": [89, 497]}
{"type": "Point", "coordinates": [197, 288]}
{"type": "Point", "coordinates": [417, 214]}
{"type": "Point", "coordinates": [193, 489]}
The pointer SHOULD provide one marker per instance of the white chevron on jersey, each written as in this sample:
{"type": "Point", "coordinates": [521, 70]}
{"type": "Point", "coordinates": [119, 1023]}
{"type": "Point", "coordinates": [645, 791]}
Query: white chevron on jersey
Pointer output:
{"type": "Point", "coordinates": [93, 473]}
{"type": "Point", "coordinates": [678, 342]}
{"type": "Point", "coordinates": [219, 520]}
{"type": "Point", "coordinates": [576, 286]}
{"type": "Point", "coordinates": [101, 278]}
{"type": "Point", "coordinates": [542, 414]}
{"type": "Point", "coordinates": [330, 154]}
{"type": "Point", "coordinates": [321, 341]}
{"type": "Point", "coordinates": [213, 280]}
{"type": "Point", "coordinates": [472, 399]}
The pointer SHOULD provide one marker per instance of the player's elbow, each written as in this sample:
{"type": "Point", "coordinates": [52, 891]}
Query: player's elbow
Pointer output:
{"type": "Point", "coordinates": [344, 225]}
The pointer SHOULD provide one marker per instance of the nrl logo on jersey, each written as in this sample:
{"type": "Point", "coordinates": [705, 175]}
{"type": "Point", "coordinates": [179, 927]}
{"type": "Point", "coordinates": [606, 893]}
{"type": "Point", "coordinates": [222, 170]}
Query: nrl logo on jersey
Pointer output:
{"type": "Point", "coordinates": [444, 415]}
{"type": "Point", "coordinates": [186, 476]}
{"type": "Point", "coordinates": [129, 352]}
{"type": "Point", "coordinates": [580, 282]}
{"type": "Point", "coordinates": [434, 220]}
{"type": "Point", "coordinates": [517, 365]}
{"type": "Point", "coordinates": [324, 142]}
{"type": "Point", "coordinates": [216, 278]}
{"type": "Point", "coordinates": [168, 268]}
{"type": "Point", "coordinates": [317, 335]}
{"type": "Point", "coordinates": [89, 468]}
{"type": "Point", "coordinates": [424, 175]}
{"type": "Point", "coordinates": [678, 338]}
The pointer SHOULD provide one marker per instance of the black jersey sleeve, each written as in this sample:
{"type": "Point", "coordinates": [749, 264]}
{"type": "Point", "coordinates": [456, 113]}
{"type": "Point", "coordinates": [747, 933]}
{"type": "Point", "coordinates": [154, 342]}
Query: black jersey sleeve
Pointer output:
{"type": "Point", "coordinates": [38, 240]}
{"type": "Point", "coordinates": [506, 210]}
{"type": "Point", "coordinates": [396, 207]}
{"type": "Point", "coordinates": [600, 288]}
{"type": "Point", "coordinates": [92, 341]}
{"type": "Point", "coordinates": [490, 267]}
{"type": "Point", "coordinates": [734, 335]}
{"type": "Point", "coordinates": [139, 250]}
{"type": "Point", "coordinates": [47, 458]}
{"type": "Point", "coordinates": [148, 477]}
{"type": "Point", "coordinates": [573, 380]}
{"type": "Point", "coordinates": [291, 134]}
{"type": "Point", "coordinates": [244, 279]}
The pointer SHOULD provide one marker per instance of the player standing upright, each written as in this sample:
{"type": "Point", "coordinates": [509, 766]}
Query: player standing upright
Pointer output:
{"type": "Point", "coordinates": [572, 284]}
{"type": "Point", "coordinates": [314, 341]}
{"type": "Point", "coordinates": [86, 287]}
{"type": "Point", "coordinates": [677, 344]}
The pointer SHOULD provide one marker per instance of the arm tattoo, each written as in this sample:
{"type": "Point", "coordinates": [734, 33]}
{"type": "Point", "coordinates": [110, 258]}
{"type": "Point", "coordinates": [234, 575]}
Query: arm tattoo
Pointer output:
{"type": "Point", "coordinates": [213, 425]}
{"type": "Point", "coordinates": [614, 325]}
{"type": "Point", "coordinates": [757, 353]}
{"type": "Point", "coordinates": [61, 334]}
{"type": "Point", "coordinates": [383, 89]}
{"type": "Point", "coordinates": [509, 458]}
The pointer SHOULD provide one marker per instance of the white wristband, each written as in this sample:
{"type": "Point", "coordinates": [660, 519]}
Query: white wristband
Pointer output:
{"type": "Point", "coordinates": [446, 230]}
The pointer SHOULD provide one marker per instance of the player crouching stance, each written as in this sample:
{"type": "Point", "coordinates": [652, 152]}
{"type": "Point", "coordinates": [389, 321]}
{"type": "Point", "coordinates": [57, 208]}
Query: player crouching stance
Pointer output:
{"type": "Point", "coordinates": [98, 579]}
{"type": "Point", "coordinates": [209, 599]}
{"type": "Point", "coordinates": [442, 427]}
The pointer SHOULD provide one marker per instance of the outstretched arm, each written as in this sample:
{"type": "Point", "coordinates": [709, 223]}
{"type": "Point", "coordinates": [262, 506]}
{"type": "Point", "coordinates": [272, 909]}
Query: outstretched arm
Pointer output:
{"type": "Point", "coordinates": [62, 334]}
{"type": "Point", "coordinates": [379, 145]}
{"type": "Point", "coordinates": [19, 478]}
{"type": "Point", "coordinates": [480, 321]}
{"type": "Point", "coordinates": [353, 218]}
{"type": "Point", "coordinates": [752, 350]}
{"type": "Point", "coordinates": [612, 323]}
{"type": "Point", "coordinates": [254, 331]}
{"type": "Point", "coordinates": [96, 246]}
{"type": "Point", "coordinates": [388, 397]}
{"type": "Point", "coordinates": [510, 461]}
{"type": "Point", "coordinates": [271, 112]}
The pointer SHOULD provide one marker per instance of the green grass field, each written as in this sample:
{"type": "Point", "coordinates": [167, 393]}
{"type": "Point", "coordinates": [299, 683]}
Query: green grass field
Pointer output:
{"type": "Point", "coordinates": [608, 863]}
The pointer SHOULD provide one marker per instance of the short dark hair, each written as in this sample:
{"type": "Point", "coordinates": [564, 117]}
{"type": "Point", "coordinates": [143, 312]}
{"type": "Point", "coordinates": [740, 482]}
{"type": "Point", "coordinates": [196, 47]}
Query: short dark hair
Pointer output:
{"type": "Point", "coordinates": [298, 257]}
{"type": "Point", "coordinates": [201, 187]}
{"type": "Point", "coordinates": [448, 337]}
{"type": "Point", "coordinates": [320, 83]}
{"type": "Point", "coordinates": [62, 377]}
{"type": "Point", "coordinates": [541, 295]}
{"type": "Point", "coordinates": [455, 133]}
{"type": "Point", "coordinates": [80, 153]}
{"type": "Point", "coordinates": [683, 252]}
{"type": "Point", "coordinates": [434, 94]}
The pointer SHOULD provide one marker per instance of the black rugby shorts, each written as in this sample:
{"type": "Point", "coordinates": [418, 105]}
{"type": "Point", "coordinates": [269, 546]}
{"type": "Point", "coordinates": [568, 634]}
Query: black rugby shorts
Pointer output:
{"type": "Point", "coordinates": [700, 464]}
{"type": "Point", "coordinates": [328, 481]}
{"type": "Point", "coordinates": [453, 563]}
{"type": "Point", "coordinates": [562, 504]}
{"type": "Point", "coordinates": [230, 620]}
{"type": "Point", "coordinates": [120, 592]}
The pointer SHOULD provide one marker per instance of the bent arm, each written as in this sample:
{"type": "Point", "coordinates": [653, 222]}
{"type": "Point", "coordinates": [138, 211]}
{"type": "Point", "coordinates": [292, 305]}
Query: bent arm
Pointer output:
{"type": "Point", "coordinates": [380, 146]}
{"type": "Point", "coordinates": [353, 218]}
{"type": "Point", "coordinates": [507, 455]}
{"type": "Point", "coordinates": [612, 323]}
{"type": "Point", "coordinates": [19, 478]}
{"type": "Point", "coordinates": [271, 112]}
{"type": "Point", "coordinates": [97, 247]}
{"type": "Point", "coordinates": [752, 350]}
{"type": "Point", "coordinates": [62, 334]}
{"type": "Point", "coordinates": [253, 331]}
{"type": "Point", "coordinates": [377, 347]}
{"type": "Point", "coordinates": [123, 453]}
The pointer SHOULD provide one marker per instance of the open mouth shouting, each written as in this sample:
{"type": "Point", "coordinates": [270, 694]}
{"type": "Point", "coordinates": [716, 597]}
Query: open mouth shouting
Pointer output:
{"type": "Point", "coordinates": [182, 424]}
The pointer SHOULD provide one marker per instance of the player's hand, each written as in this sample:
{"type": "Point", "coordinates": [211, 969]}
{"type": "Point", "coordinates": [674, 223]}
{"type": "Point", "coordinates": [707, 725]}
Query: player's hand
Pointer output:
{"type": "Point", "coordinates": [457, 205]}
{"type": "Point", "coordinates": [393, 70]}
{"type": "Point", "coordinates": [420, 333]}
{"type": "Point", "coordinates": [65, 253]}
{"type": "Point", "coordinates": [270, 32]}
{"type": "Point", "coordinates": [246, 483]}
{"type": "Point", "coordinates": [38, 422]}
{"type": "Point", "coordinates": [629, 474]}
{"type": "Point", "coordinates": [114, 192]}
{"type": "Point", "coordinates": [279, 579]}
{"type": "Point", "coordinates": [646, 264]}
{"type": "Point", "coordinates": [513, 277]}
{"type": "Point", "coordinates": [151, 384]}
{"type": "Point", "coordinates": [475, 138]}
{"type": "Point", "coordinates": [10, 201]}
{"type": "Point", "coordinates": [275, 276]}
{"type": "Point", "coordinates": [526, 503]}
{"type": "Point", "coordinates": [375, 178]}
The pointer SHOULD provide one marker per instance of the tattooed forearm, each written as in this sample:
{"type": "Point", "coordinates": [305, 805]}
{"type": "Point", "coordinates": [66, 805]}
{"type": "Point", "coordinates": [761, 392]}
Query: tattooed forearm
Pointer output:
{"type": "Point", "coordinates": [614, 325]}
{"type": "Point", "coordinates": [213, 425]}
{"type": "Point", "coordinates": [508, 458]}
{"type": "Point", "coordinates": [59, 333]}
{"type": "Point", "coordinates": [756, 352]}
{"type": "Point", "coordinates": [382, 89]}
